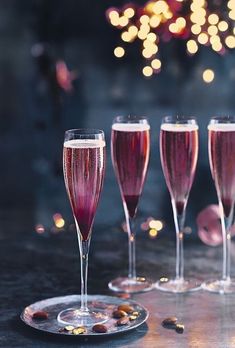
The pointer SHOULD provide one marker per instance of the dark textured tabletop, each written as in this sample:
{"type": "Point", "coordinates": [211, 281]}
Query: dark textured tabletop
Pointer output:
{"type": "Point", "coordinates": [35, 267]}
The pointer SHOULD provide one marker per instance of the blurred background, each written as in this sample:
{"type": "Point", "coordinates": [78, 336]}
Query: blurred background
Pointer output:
{"type": "Point", "coordinates": [67, 64]}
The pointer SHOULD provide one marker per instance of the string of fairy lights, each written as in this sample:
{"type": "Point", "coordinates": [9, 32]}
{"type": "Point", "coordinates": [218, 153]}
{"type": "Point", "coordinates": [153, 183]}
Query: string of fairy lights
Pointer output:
{"type": "Point", "coordinates": [198, 22]}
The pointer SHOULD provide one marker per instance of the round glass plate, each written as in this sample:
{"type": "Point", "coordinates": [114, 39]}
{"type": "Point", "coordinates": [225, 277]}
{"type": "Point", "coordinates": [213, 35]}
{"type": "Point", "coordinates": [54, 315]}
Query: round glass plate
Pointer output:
{"type": "Point", "coordinates": [106, 303]}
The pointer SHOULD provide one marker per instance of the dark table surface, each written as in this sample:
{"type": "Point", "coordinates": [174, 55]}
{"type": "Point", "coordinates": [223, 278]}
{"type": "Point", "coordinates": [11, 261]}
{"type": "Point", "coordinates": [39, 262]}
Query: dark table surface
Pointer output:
{"type": "Point", "coordinates": [35, 267]}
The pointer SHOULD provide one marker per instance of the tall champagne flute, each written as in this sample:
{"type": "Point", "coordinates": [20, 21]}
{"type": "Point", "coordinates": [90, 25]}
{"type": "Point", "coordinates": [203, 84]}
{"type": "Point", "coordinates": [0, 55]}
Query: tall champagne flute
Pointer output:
{"type": "Point", "coordinates": [130, 147]}
{"type": "Point", "coordinates": [84, 164]}
{"type": "Point", "coordinates": [179, 153]}
{"type": "Point", "coordinates": [221, 146]}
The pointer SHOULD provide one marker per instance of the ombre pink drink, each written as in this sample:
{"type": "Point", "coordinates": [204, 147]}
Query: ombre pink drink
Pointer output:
{"type": "Point", "coordinates": [179, 152]}
{"type": "Point", "coordinates": [222, 162]}
{"type": "Point", "coordinates": [84, 163]}
{"type": "Point", "coordinates": [130, 147]}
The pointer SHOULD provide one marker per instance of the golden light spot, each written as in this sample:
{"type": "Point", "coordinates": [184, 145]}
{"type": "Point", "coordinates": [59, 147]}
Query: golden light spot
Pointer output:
{"type": "Point", "coordinates": [202, 38]}
{"type": "Point", "coordinates": [196, 29]}
{"type": "Point", "coordinates": [152, 37]}
{"type": "Point", "coordinates": [153, 233]}
{"type": "Point", "coordinates": [232, 14]}
{"type": "Point", "coordinates": [126, 36]}
{"type": "Point", "coordinates": [168, 15]}
{"type": "Point", "coordinates": [156, 64]}
{"type": "Point", "coordinates": [217, 46]}
{"type": "Point", "coordinates": [147, 71]}
{"type": "Point", "coordinates": [213, 18]}
{"type": "Point", "coordinates": [194, 7]}
{"type": "Point", "coordinates": [156, 224]}
{"type": "Point", "coordinates": [144, 19]}
{"type": "Point", "coordinates": [223, 26]}
{"type": "Point", "coordinates": [192, 46]}
{"type": "Point", "coordinates": [133, 30]}
{"type": "Point", "coordinates": [58, 220]}
{"type": "Point", "coordinates": [147, 52]}
{"type": "Point", "coordinates": [119, 52]}
{"type": "Point", "coordinates": [173, 28]}
{"type": "Point", "coordinates": [181, 22]}
{"type": "Point", "coordinates": [129, 12]}
{"type": "Point", "coordinates": [230, 41]}
{"type": "Point", "coordinates": [197, 4]}
{"type": "Point", "coordinates": [113, 15]}
{"type": "Point", "coordinates": [114, 22]}
{"type": "Point", "coordinates": [114, 18]}
{"type": "Point", "coordinates": [149, 6]}
{"type": "Point", "coordinates": [231, 4]}
{"type": "Point", "coordinates": [145, 28]}
{"type": "Point", "coordinates": [142, 35]}
{"type": "Point", "coordinates": [208, 75]}
{"type": "Point", "coordinates": [201, 2]}
{"type": "Point", "coordinates": [123, 21]}
{"type": "Point", "coordinates": [147, 44]}
{"type": "Point", "coordinates": [160, 7]}
{"type": "Point", "coordinates": [155, 21]}
{"type": "Point", "coordinates": [215, 40]}
{"type": "Point", "coordinates": [200, 12]}
{"type": "Point", "coordinates": [212, 30]}
{"type": "Point", "coordinates": [154, 49]}
{"type": "Point", "coordinates": [60, 223]}
{"type": "Point", "coordinates": [198, 18]}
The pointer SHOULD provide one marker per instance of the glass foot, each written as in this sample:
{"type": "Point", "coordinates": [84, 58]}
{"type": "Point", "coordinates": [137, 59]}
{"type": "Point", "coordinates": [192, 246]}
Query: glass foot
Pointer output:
{"type": "Point", "coordinates": [219, 286]}
{"type": "Point", "coordinates": [178, 286]}
{"type": "Point", "coordinates": [130, 285]}
{"type": "Point", "coordinates": [75, 317]}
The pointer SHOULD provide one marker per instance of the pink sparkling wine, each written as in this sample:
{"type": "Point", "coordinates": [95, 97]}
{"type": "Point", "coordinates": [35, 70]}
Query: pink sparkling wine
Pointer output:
{"type": "Point", "coordinates": [84, 163]}
{"type": "Point", "coordinates": [179, 153]}
{"type": "Point", "coordinates": [130, 147]}
{"type": "Point", "coordinates": [222, 162]}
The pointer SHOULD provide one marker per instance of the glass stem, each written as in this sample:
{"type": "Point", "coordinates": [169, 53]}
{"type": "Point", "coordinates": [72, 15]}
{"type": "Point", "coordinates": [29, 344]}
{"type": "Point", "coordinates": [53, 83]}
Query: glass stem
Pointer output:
{"type": "Point", "coordinates": [179, 225]}
{"type": "Point", "coordinates": [84, 251]}
{"type": "Point", "coordinates": [226, 233]}
{"type": "Point", "coordinates": [131, 244]}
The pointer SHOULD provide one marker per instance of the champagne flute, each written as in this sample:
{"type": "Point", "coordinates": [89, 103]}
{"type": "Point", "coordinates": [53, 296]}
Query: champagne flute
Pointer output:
{"type": "Point", "coordinates": [221, 146]}
{"type": "Point", "coordinates": [130, 147]}
{"type": "Point", "coordinates": [84, 165]}
{"type": "Point", "coordinates": [179, 153]}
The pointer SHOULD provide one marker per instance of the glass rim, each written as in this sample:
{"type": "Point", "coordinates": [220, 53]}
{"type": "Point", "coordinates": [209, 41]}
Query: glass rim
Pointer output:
{"type": "Point", "coordinates": [179, 119]}
{"type": "Point", "coordinates": [222, 119]}
{"type": "Point", "coordinates": [84, 131]}
{"type": "Point", "coordinates": [130, 119]}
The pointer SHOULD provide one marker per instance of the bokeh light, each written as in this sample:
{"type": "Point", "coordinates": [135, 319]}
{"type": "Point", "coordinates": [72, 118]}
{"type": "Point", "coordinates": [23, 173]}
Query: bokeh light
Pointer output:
{"type": "Point", "coordinates": [119, 52]}
{"type": "Point", "coordinates": [58, 220]}
{"type": "Point", "coordinates": [39, 228]}
{"type": "Point", "coordinates": [208, 75]}
{"type": "Point", "coordinates": [147, 71]}
{"type": "Point", "coordinates": [192, 46]}
{"type": "Point", "coordinates": [159, 21]}
{"type": "Point", "coordinates": [156, 224]}
{"type": "Point", "coordinates": [153, 233]}
{"type": "Point", "coordinates": [156, 64]}
{"type": "Point", "coordinates": [129, 12]}
{"type": "Point", "coordinates": [230, 41]}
